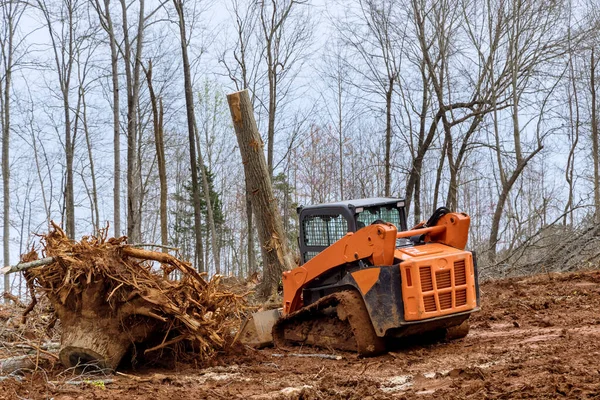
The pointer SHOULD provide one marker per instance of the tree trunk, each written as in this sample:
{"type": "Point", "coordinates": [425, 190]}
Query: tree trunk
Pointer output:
{"type": "Point", "coordinates": [114, 60]}
{"type": "Point", "coordinates": [5, 114]}
{"type": "Point", "coordinates": [272, 74]}
{"type": "Point", "coordinates": [388, 137]}
{"type": "Point", "coordinates": [209, 208]}
{"type": "Point", "coordinates": [595, 139]}
{"type": "Point", "coordinates": [94, 205]}
{"type": "Point", "coordinates": [268, 221]}
{"type": "Point", "coordinates": [251, 254]}
{"type": "Point", "coordinates": [574, 121]}
{"type": "Point", "coordinates": [69, 194]}
{"type": "Point", "coordinates": [92, 340]}
{"type": "Point", "coordinates": [162, 173]}
{"type": "Point", "coordinates": [438, 176]}
{"type": "Point", "coordinates": [340, 123]}
{"type": "Point", "coordinates": [93, 332]}
{"type": "Point", "coordinates": [417, 163]}
{"type": "Point", "coordinates": [6, 178]}
{"type": "Point", "coordinates": [107, 24]}
{"type": "Point", "coordinates": [191, 122]}
{"type": "Point", "coordinates": [17, 363]}
{"type": "Point", "coordinates": [505, 190]}
{"type": "Point", "coordinates": [452, 198]}
{"type": "Point", "coordinates": [132, 73]}
{"type": "Point", "coordinates": [158, 113]}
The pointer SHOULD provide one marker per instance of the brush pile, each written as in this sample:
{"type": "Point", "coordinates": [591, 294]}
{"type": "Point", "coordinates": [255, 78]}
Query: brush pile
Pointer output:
{"type": "Point", "coordinates": [108, 297]}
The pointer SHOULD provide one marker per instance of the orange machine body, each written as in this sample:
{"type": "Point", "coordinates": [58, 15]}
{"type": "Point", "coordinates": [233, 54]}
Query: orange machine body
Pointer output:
{"type": "Point", "coordinates": [374, 242]}
{"type": "Point", "coordinates": [434, 279]}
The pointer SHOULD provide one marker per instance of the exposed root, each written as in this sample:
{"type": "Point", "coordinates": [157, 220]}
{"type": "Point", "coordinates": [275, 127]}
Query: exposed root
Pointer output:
{"type": "Point", "coordinates": [100, 288]}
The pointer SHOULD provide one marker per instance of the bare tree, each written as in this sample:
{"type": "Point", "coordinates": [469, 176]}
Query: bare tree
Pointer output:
{"type": "Point", "coordinates": [286, 31]}
{"type": "Point", "coordinates": [12, 11]}
{"type": "Point", "coordinates": [243, 72]}
{"type": "Point", "coordinates": [377, 37]}
{"type": "Point", "coordinates": [65, 44]}
{"type": "Point", "coordinates": [192, 130]}
{"type": "Point", "coordinates": [81, 114]}
{"type": "Point", "coordinates": [106, 22]}
{"type": "Point", "coordinates": [533, 40]}
{"type": "Point", "coordinates": [158, 115]}
{"type": "Point", "coordinates": [594, 133]}
{"type": "Point", "coordinates": [574, 121]}
{"type": "Point", "coordinates": [436, 29]}
{"type": "Point", "coordinates": [34, 130]}
{"type": "Point", "coordinates": [132, 58]}
{"type": "Point", "coordinates": [340, 99]}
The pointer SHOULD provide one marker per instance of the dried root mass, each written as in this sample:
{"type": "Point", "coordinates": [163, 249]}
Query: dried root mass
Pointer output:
{"type": "Point", "coordinates": [108, 297]}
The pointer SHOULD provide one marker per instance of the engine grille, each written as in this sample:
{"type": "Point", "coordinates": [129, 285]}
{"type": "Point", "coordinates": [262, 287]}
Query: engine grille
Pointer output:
{"type": "Point", "coordinates": [447, 290]}
{"type": "Point", "coordinates": [460, 273]}
{"type": "Point", "coordinates": [461, 297]}
{"type": "Point", "coordinates": [443, 279]}
{"type": "Point", "coordinates": [426, 280]}
{"type": "Point", "coordinates": [445, 300]}
{"type": "Point", "coordinates": [429, 302]}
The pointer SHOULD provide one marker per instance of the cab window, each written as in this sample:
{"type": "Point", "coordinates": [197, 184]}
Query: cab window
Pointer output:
{"type": "Point", "coordinates": [372, 214]}
{"type": "Point", "coordinates": [324, 230]}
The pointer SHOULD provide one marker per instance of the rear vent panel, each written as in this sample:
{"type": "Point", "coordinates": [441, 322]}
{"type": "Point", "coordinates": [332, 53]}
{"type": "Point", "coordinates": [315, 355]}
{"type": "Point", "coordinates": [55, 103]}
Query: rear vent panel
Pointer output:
{"type": "Point", "coordinates": [429, 302]}
{"type": "Point", "coordinates": [461, 297]}
{"type": "Point", "coordinates": [460, 273]}
{"type": "Point", "coordinates": [443, 279]}
{"type": "Point", "coordinates": [444, 291]}
{"type": "Point", "coordinates": [426, 280]}
{"type": "Point", "coordinates": [445, 300]}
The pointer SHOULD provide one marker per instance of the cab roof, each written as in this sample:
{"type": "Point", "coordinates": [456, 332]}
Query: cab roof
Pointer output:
{"type": "Point", "coordinates": [369, 202]}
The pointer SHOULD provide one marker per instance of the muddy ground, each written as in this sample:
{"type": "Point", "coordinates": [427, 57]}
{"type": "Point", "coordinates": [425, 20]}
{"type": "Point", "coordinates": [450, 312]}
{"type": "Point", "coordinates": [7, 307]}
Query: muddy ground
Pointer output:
{"type": "Point", "coordinates": [535, 338]}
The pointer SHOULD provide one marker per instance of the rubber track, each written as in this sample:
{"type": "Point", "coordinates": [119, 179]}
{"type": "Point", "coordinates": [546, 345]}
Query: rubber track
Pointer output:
{"type": "Point", "coordinates": [340, 321]}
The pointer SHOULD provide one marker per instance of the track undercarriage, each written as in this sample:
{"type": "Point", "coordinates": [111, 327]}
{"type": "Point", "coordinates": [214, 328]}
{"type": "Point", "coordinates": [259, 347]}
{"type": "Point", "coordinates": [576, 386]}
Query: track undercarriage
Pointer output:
{"type": "Point", "coordinates": [339, 321]}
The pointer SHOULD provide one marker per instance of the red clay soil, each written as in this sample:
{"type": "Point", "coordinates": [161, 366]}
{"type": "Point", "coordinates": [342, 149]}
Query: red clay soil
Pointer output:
{"type": "Point", "coordinates": [535, 338]}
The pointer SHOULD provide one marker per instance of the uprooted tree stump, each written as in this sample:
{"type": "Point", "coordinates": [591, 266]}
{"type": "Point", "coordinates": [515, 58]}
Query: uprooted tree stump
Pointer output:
{"type": "Point", "coordinates": [95, 333]}
{"type": "Point", "coordinates": [107, 297]}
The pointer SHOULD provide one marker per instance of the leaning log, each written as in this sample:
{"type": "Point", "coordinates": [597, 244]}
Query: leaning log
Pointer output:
{"type": "Point", "coordinates": [276, 256]}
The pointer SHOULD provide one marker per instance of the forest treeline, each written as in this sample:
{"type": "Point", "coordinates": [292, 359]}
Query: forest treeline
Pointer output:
{"type": "Point", "coordinates": [114, 112]}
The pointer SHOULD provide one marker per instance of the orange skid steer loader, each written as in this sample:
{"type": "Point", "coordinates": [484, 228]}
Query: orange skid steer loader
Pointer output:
{"type": "Point", "coordinates": [366, 280]}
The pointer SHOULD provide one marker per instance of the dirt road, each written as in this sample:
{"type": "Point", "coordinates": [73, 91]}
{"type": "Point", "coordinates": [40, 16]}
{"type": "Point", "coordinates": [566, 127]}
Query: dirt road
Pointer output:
{"type": "Point", "coordinates": [535, 338]}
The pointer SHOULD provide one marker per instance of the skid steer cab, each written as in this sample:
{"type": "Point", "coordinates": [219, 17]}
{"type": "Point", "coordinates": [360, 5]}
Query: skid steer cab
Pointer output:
{"type": "Point", "coordinates": [366, 281]}
{"type": "Point", "coordinates": [322, 225]}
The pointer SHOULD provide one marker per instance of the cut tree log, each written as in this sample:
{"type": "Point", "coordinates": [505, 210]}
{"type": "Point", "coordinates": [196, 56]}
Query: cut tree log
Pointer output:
{"type": "Point", "coordinates": [22, 266]}
{"type": "Point", "coordinates": [13, 364]}
{"type": "Point", "coordinates": [276, 256]}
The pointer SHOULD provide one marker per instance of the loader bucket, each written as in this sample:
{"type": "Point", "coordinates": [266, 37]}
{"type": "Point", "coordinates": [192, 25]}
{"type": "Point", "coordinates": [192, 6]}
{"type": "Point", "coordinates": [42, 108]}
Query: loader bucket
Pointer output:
{"type": "Point", "coordinates": [256, 329]}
